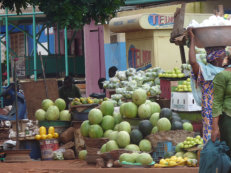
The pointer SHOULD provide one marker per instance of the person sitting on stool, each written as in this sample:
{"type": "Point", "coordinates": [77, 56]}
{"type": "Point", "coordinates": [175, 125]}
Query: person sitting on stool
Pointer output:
{"type": "Point", "coordinates": [69, 90]}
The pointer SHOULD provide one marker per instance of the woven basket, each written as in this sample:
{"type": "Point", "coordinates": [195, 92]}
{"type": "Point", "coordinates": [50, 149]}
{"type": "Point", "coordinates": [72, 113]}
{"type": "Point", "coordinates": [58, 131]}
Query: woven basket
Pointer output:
{"type": "Point", "coordinates": [174, 136]}
{"type": "Point", "coordinates": [91, 150]}
{"type": "Point", "coordinates": [95, 142]}
{"type": "Point", "coordinates": [114, 155]}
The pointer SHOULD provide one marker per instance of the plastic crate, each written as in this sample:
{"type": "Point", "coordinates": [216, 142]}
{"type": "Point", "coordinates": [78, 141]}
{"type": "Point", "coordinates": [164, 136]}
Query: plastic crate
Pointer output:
{"type": "Point", "coordinates": [161, 149]}
{"type": "Point", "coordinates": [183, 101]}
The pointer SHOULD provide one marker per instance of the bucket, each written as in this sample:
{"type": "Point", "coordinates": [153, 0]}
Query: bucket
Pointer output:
{"type": "Point", "coordinates": [47, 147]}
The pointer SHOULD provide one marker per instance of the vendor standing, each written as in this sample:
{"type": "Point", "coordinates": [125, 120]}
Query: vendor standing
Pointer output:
{"type": "Point", "coordinates": [202, 83]}
{"type": "Point", "coordinates": [69, 90]}
{"type": "Point", "coordinates": [221, 127]}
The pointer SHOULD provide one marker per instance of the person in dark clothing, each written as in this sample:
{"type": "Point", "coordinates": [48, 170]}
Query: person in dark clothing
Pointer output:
{"type": "Point", "coordinates": [100, 84]}
{"type": "Point", "coordinates": [69, 90]}
{"type": "Point", "coordinates": [112, 71]}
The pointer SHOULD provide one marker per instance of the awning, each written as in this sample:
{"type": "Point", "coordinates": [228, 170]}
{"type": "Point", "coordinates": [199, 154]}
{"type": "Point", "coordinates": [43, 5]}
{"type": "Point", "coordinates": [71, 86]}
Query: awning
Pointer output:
{"type": "Point", "coordinates": [156, 2]}
{"type": "Point", "coordinates": [137, 2]}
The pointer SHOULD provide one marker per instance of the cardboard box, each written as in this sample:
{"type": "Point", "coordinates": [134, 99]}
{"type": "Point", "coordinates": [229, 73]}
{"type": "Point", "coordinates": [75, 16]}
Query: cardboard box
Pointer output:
{"type": "Point", "coordinates": [183, 101]}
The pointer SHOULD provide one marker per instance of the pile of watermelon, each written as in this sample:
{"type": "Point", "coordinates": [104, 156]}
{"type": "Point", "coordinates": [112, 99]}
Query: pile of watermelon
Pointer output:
{"type": "Point", "coordinates": [139, 107]}
{"type": "Point", "coordinates": [106, 122]}
{"type": "Point", "coordinates": [53, 111]}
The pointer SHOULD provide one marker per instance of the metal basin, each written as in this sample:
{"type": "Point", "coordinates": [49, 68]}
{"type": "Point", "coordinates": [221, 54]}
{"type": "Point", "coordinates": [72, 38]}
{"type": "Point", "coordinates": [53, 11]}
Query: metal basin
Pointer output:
{"type": "Point", "coordinates": [212, 36]}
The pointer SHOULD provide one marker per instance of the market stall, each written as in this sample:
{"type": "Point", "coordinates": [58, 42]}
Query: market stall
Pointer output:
{"type": "Point", "coordinates": [130, 129]}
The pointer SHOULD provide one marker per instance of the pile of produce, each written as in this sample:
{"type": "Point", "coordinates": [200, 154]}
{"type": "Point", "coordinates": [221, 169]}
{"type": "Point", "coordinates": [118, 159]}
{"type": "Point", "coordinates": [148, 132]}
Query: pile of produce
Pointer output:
{"type": "Point", "coordinates": [84, 100]}
{"type": "Point", "coordinates": [140, 158]}
{"type": "Point", "coordinates": [211, 21]}
{"type": "Point", "coordinates": [53, 111]}
{"type": "Point", "coordinates": [183, 157]}
{"type": "Point", "coordinates": [190, 142]}
{"type": "Point", "coordinates": [140, 106]}
{"type": "Point", "coordinates": [125, 82]}
{"type": "Point", "coordinates": [176, 161]}
{"type": "Point", "coordinates": [43, 133]}
{"type": "Point", "coordinates": [175, 73]}
{"type": "Point", "coordinates": [168, 120]}
{"type": "Point", "coordinates": [100, 120]}
{"type": "Point", "coordinates": [185, 86]}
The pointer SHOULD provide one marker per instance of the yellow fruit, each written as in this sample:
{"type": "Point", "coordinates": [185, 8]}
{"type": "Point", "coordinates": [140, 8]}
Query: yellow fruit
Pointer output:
{"type": "Point", "coordinates": [172, 163]}
{"type": "Point", "coordinates": [51, 130]}
{"type": "Point", "coordinates": [163, 162]}
{"type": "Point", "coordinates": [43, 137]}
{"type": "Point", "coordinates": [179, 159]}
{"type": "Point", "coordinates": [42, 130]}
{"type": "Point", "coordinates": [186, 158]}
{"type": "Point", "coordinates": [37, 137]}
{"type": "Point", "coordinates": [49, 136]}
{"type": "Point", "coordinates": [56, 135]}
{"type": "Point", "coordinates": [167, 160]}
{"type": "Point", "coordinates": [173, 158]}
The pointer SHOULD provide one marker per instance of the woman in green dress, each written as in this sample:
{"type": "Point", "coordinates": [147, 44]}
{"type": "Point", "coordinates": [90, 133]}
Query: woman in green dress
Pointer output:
{"type": "Point", "coordinates": [221, 110]}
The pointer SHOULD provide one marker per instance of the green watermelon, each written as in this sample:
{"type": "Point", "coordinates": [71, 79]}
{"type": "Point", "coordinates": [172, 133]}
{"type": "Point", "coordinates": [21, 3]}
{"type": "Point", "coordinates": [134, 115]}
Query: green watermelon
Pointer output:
{"type": "Point", "coordinates": [177, 125]}
{"type": "Point", "coordinates": [166, 113]}
{"type": "Point", "coordinates": [145, 126]}
{"type": "Point", "coordinates": [136, 136]}
{"type": "Point", "coordinates": [175, 117]}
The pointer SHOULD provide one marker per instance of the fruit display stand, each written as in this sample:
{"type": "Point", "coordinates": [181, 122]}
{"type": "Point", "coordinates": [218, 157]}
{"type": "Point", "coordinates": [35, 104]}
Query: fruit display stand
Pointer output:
{"type": "Point", "coordinates": [167, 84]}
{"type": "Point", "coordinates": [80, 112]}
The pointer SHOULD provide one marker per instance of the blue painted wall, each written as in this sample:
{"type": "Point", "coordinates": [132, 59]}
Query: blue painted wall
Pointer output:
{"type": "Point", "coordinates": [42, 39]}
{"type": "Point", "coordinates": [115, 55]}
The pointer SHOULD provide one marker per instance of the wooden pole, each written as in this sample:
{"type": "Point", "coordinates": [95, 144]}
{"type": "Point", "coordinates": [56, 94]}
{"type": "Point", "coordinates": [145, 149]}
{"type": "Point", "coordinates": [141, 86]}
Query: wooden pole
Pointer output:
{"type": "Point", "coordinates": [182, 53]}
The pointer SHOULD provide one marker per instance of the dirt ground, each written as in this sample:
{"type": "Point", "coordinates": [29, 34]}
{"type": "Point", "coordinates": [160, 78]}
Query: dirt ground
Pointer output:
{"type": "Point", "coordinates": [73, 166]}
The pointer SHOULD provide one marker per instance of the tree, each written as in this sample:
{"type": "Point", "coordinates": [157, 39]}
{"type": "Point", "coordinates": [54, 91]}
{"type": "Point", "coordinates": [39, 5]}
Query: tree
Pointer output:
{"type": "Point", "coordinates": [71, 13]}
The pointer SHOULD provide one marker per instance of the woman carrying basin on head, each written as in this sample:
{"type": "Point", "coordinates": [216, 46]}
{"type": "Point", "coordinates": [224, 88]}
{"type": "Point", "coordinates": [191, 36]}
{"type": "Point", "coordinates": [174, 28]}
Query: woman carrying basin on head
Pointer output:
{"type": "Point", "coordinates": [202, 83]}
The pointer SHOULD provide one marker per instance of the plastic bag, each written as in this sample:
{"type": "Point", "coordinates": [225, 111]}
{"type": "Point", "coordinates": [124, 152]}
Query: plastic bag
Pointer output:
{"type": "Point", "coordinates": [58, 154]}
{"type": "Point", "coordinates": [214, 158]}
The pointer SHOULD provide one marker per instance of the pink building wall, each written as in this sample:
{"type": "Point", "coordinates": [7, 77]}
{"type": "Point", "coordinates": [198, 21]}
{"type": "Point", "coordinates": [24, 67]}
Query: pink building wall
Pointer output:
{"type": "Point", "coordinates": [94, 56]}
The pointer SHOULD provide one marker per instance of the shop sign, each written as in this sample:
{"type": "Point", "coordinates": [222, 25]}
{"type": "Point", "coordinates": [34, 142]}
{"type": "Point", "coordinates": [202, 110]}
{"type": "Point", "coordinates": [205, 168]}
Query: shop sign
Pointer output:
{"type": "Point", "coordinates": [139, 59]}
{"type": "Point", "coordinates": [161, 20]}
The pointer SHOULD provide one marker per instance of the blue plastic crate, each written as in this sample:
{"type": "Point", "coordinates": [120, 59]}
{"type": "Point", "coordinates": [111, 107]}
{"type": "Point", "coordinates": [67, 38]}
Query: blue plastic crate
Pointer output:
{"type": "Point", "coordinates": [161, 149]}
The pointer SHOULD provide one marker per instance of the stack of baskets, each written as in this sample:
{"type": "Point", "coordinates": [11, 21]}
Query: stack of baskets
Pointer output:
{"type": "Point", "coordinates": [93, 145]}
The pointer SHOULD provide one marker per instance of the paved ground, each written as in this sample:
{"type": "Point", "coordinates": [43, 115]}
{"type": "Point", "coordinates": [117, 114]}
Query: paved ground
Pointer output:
{"type": "Point", "coordinates": [73, 166]}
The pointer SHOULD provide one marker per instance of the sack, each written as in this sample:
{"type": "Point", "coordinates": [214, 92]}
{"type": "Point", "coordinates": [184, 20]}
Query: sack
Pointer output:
{"type": "Point", "coordinates": [213, 158]}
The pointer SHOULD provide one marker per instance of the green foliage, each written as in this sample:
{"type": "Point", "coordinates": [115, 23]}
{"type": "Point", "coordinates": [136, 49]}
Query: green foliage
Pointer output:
{"type": "Point", "coordinates": [71, 13]}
